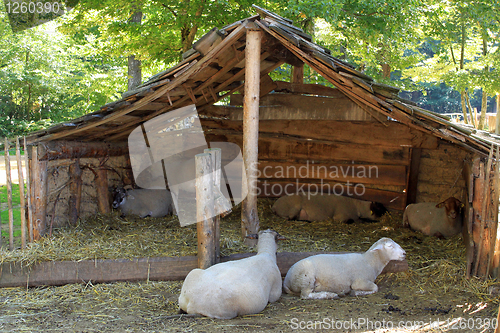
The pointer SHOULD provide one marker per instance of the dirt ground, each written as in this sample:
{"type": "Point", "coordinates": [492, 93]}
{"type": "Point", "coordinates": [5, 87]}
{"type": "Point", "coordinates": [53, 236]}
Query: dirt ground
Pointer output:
{"type": "Point", "coordinates": [433, 296]}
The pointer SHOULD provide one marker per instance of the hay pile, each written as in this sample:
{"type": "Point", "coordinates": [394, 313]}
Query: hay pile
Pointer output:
{"type": "Point", "coordinates": [434, 263]}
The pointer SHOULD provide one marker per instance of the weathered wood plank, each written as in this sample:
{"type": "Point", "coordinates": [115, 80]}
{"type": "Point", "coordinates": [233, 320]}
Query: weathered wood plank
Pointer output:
{"type": "Point", "coordinates": [272, 148]}
{"type": "Point", "coordinates": [360, 132]}
{"type": "Point", "coordinates": [72, 149]}
{"type": "Point", "coordinates": [56, 273]}
{"type": "Point", "coordinates": [354, 173]}
{"type": "Point", "coordinates": [277, 188]}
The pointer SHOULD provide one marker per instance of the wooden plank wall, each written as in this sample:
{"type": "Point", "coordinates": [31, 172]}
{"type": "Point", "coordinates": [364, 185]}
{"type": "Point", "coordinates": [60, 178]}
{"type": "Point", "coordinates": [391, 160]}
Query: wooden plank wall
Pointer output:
{"type": "Point", "coordinates": [441, 173]}
{"type": "Point", "coordinates": [326, 143]}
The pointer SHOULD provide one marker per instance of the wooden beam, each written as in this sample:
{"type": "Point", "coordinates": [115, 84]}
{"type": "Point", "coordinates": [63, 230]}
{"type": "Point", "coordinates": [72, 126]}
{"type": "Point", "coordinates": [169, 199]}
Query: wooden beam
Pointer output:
{"type": "Point", "coordinates": [21, 193]}
{"type": "Point", "coordinates": [75, 191]}
{"type": "Point", "coordinates": [28, 189]}
{"type": "Point", "coordinates": [9, 195]}
{"type": "Point", "coordinates": [101, 183]}
{"type": "Point", "coordinates": [411, 191]}
{"type": "Point", "coordinates": [74, 149]}
{"type": "Point", "coordinates": [205, 208]}
{"type": "Point", "coordinates": [40, 189]}
{"type": "Point", "coordinates": [249, 214]}
{"type": "Point", "coordinates": [56, 273]}
{"type": "Point", "coordinates": [297, 74]}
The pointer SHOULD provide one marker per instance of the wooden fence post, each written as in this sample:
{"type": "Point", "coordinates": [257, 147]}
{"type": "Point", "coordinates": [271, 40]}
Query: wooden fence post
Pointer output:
{"type": "Point", "coordinates": [249, 213]}
{"type": "Point", "coordinates": [9, 195]}
{"type": "Point", "coordinates": [205, 210]}
{"type": "Point", "coordinates": [102, 190]}
{"type": "Point", "coordinates": [28, 189]}
{"type": "Point", "coordinates": [75, 190]}
{"type": "Point", "coordinates": [215, 154]}
{"type": "Point", "coordinates": [39, 189]}
{"type": "Point", "coordinates": [21, 193]}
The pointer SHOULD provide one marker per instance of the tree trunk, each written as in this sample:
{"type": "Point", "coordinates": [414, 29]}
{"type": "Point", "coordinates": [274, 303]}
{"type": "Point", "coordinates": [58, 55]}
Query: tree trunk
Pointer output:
{"type": "Point", "coordinates": [473, 120]}
{"type": "Point", "coordinates": [484, 103]}
{"type": "Point", "coordinates": [464, 106]}
{"type": "Point", "coordinates": [134, 66]}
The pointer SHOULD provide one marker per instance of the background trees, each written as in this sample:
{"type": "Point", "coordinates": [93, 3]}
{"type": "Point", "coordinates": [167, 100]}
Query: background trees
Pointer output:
{"type": "Point", "coordinates": [444, 54]}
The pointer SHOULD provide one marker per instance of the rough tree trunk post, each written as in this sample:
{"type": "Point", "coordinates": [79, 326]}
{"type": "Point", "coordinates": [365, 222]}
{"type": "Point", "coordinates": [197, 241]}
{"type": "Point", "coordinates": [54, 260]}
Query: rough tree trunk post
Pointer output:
{"type": "Point", "coordinates": [39, 189]}
{"type": "Point", "coordinates": [9, 195]}
{"type": "Point", "coordinates": [28, 189]}
{"type": "Point", "coordinates": [75, 190]}
{"type": "Point", "coordinates": [215, 154]}
{"type": "Point", "coordinates": [102, 190]}
{"type": "Point", "coordinates": [249, 214]}
{"type": "Point", "coordinates": [21, 193]}
{"type": "Point", "coordinates": [298, 74]}
{"type": "Point", "coordinates": [497, 128]}
{"type": "Point", "coordinates": [205, 210]}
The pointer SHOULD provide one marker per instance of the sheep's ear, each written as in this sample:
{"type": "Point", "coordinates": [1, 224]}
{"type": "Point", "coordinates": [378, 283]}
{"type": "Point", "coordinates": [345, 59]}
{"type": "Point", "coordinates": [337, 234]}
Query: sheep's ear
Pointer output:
{"type": "Point", "coordinates": [279, 237]}
{"type": "Point", "coordinates": [130, 196]}
{"type": "Point", "coordinates": [378, 247]}
{"type": "Point", "coordinates": [252, 236]}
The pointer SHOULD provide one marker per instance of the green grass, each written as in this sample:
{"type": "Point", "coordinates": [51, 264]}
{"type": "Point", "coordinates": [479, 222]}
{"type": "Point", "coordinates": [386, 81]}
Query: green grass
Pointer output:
{"type": "Point", "coordinates": [4, 212]}
{"type": "Point", "coordinates": [12, 151]}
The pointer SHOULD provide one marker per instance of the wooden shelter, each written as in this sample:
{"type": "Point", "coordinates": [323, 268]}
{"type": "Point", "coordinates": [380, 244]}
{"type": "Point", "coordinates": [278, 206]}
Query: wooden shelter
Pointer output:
{"type": "Point", "coordinates": [336, 135]}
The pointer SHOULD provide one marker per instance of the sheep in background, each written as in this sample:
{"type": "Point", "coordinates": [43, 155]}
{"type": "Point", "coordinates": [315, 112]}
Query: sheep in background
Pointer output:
{"type": "Point", "coordinates": [234, 288]}
{"type": "Point", "coordinates": [319, 207]}
{"type": "Point", "coordinates": [328, 276]}
{"type": "Point", "coordinates": [444, 219]}
{"type": "Point", "coordinates": [143, 202]}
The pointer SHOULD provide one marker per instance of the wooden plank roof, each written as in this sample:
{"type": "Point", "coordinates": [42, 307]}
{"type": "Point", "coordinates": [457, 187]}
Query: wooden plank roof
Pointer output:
{"type": "Point", "coordinates": [215, 68]}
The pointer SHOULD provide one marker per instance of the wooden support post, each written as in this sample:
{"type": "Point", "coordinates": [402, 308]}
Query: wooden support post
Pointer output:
{"type": "Point", "coordinates": [484, 232]}
{"type": "Point", "coordinates": [28, 189]}
{"type": "Point", "coordinates": [21, 194]}
{"type": "Point", "coordinates": [205, 210]}
{"type": "Point", "coordinates": [495, 244]}
{"type": "Point", "coordinates": [102, 190]}
{"type": "Point", "coordinates": [469, 212]}
{"type": "Point", "coordinates": [249, 214]}
{"type": "Point", "coordinates": [298, 74]}
{"type": "Point", "coordinates": [411, 190]}
{"type": "Point", "coordinates": [75, 190]}
{"type": "Point", "coordinates": [39, 198]}
{"type": "Point", "coordinates": [9, 195]}
{"type": "Point", "coordinates": [216, 157]}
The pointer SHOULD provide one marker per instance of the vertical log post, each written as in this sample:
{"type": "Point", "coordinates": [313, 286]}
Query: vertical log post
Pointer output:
{"type": "Point", "coordinates": [205, 210]}
{"type": "Point", "coordinates": [411, 190]}
{"type": "Point", "coordinates": [215, 154]}
{"type": "Point", "coordinates": [39, 189]}
{"type": "Point", "coordinates": [484, 244]}
{"type": "Point", "coordinates": [468, 235]}
{"type": "Point", "coordinates": [249, 214]}
{"type": "Point", "coordinates": [21, 193]}
{"type": "Point", "coordinates": [495, 243]}
{"type": "Point", "coordinates": [102, 190]}
{"type": "Point", "coordinates": [75, 190]}
{"type": "Point", "coordinates": [9, 195]}
{"type": "Point", "coordinates": [298, 74]}
{"type": "Point", "coordinates": [28, 189]}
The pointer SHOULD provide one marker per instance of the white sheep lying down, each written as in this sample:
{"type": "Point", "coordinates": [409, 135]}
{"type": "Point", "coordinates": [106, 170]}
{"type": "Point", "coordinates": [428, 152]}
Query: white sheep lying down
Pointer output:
{"type": "Point", "coordinates": [234, 288]}
{"type": "Point", "coordinates": [328, 276]}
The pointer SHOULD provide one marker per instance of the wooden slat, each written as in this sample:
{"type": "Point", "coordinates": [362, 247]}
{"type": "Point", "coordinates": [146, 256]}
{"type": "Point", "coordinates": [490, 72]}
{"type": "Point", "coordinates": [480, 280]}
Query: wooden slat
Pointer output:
{"type": "Point", "coordinates": [287, 148]}
{"type": "Point", "coordinates": [73, 149]}
{"type": "Point", "coordinates": [278, 188]}
{"type": "Point", "coordinates": [354, 173]}
{"type": "Point", "coordinates": [361, 132]}
{"type": "Point", "coordinates": [56, 273]}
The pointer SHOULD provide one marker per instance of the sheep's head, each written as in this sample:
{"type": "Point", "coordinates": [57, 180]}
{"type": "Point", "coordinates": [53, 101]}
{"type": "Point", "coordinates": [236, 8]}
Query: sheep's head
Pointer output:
{"type": "Point", "coordinates": [377, 210]}
{"type": "Point", "coordinates": [119, 197]}
{"type": "Point", "coordinates": [453, 207]}
{"type": "Point", "coordinates": [276, 235]}
{"type": "Point", "coordinates": [390, 249]}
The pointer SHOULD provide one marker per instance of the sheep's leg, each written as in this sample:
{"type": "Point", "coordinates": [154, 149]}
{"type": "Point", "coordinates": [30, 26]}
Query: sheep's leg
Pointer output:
{"type": "Point", "coordinates": [309, 294]}
{"type": "Point", "coordinates": [363, 288]}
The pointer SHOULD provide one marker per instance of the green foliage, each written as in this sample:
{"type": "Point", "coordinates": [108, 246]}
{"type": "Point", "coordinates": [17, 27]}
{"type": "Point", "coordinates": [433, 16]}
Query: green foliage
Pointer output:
{"type": "Point", "coordinates": [4, 212]}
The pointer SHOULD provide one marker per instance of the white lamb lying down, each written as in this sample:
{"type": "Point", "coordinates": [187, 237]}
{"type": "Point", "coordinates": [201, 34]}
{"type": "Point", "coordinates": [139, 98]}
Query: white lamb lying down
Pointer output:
{"type": "Point", "coordinates": [234, 288]}
{"type": "Point", "coordinates": [328, 276]}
